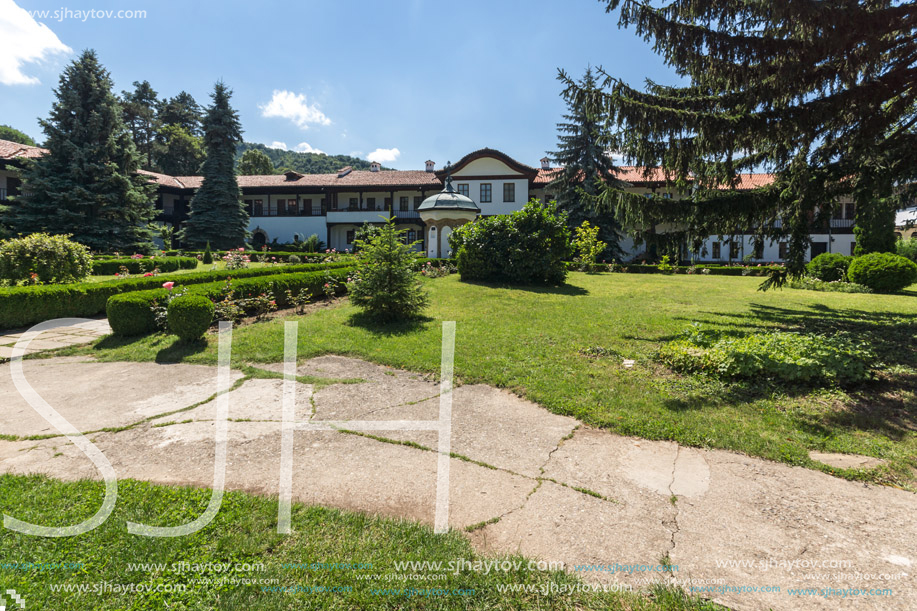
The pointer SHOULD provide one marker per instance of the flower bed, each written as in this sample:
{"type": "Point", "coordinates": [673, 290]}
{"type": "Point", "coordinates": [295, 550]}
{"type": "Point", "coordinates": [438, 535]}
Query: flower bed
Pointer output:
{"type": "Point", "coordinates": [26, 305]}
{"type": "Point", "coordinates": [700, 268]}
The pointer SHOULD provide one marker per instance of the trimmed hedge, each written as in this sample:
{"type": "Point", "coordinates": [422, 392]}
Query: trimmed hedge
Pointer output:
{"type": "Point", "coordinates": [829, 267]}
{"type": "Point", "coordinates": [713, 270]}
{"type": "Point", "coordinates": [190, 316]}
{"type": "Point", "coordinates": [281, 255]}
{"type": "Point", "coordinates": [244, 288]}
{"type": "Point", "coordinates": [110, 267]}
{"type": "Point", "coordinates": [883, 272]}
{"type": "Point", "coordinates": [131, 313]}
{"type": "Point", "coordinates": [26, 305]}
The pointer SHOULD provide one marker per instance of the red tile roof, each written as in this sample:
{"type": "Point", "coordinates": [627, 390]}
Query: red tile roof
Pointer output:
{"type": "Point", "coordinates": [14, 150]}
{"type": "Point", "coordinates": [636, 175]}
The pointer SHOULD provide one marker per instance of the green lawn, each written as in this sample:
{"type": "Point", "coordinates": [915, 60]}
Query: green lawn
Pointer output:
{"type": "Point", "coordinates": [243, 536]}
{"type": "Point", "coordinates": [533, 342]}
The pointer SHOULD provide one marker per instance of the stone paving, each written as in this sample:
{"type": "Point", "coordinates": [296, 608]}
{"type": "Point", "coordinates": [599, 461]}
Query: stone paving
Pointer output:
{"type": "Point", "coordinates": [58, 337]}
{"type": "Point", "coordinates": [528, 482]}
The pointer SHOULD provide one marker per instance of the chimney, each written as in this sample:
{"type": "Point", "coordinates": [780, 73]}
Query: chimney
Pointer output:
{"type": "Point", "coordinates": [545, 163]}
{"type": "Point", "coordinates": [375, 166]}
{"type": "Point", "coordinates": [430, 165]}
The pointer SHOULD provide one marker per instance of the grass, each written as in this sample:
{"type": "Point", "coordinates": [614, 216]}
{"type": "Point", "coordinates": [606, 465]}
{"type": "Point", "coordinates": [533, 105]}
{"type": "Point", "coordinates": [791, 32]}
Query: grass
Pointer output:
{"type": "Point", "coordinates": [187, 570]}
{"type": "Point", "coordinates": [563, 348]}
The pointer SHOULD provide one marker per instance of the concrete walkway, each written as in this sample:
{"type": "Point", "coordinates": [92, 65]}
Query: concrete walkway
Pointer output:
{"type": "Point", "coordinates": [59, 337]}
{"type": "Point", "coordinates": [529, 481]}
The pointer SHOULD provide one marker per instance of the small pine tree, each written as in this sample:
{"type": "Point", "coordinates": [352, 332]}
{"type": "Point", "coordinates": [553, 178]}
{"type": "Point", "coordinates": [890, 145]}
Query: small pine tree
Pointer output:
{"type": "Point", "coordinates": [217, 214]}
{"type": "Point", "coordinates": [87, 185]}
{"type": "Point", "coordinates": [386, 286]}
{"type": "Point", "coordinates": [208, 255]}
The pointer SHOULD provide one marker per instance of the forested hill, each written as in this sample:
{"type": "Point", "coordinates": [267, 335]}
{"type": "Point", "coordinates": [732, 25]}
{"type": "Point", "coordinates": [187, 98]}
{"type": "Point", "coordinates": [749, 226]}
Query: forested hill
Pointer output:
{"type": "Point", "coordinates": [305, 163]}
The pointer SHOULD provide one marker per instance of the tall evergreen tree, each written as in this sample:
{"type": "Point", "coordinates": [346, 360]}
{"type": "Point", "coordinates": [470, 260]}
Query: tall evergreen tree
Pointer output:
{"type": "Point", "coordinates": [87, 185]}
{"type": "Point", "coordinates": [255, 163]}
{"type": "Point", "coordinates": [184, 111]}
{"type": "Point", "coordinates": [139, 107]}
{"type": "Point", "coordinates": [585, 166]}
{"type": "Point", "coordinates": [821, 93]}
{"type": "Point", "coordinates": [217, 214]}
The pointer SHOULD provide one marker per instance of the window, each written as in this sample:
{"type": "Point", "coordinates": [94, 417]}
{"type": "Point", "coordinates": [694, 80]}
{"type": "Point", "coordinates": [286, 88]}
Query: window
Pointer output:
{"type": "Point", "coordinates": [411, 236]}
{"type": "Point", "coordinates": [819, 248]}
{"type": "Point", "coordinates": [248, 207]}
{"type": "Point", "coordinates": [351, 236]}
{"type": "Point", "coordinates": [354, 203]}
{"type": "Point", "coordinates": [715, 250]}
{"type": "Point", "coordinates": [486, 189]}
{"type": "Point", "coordinates": [387, 203]}
{"type": "Point", "coordinates": [317, 209]}
{"type": "Point", "coordinates": [509, 192]}
{"type": "Point", "coordinates": [734, 250]}
{"type": "Point", "coordinates": [853, 246]}
{"type": "Point", "coordinates": [403, 203]}
{"type": "Point", "coordinates": [370, 203]}
{"type": "Point", "coordinates": [463, 189]}
{"type": "Point", "coordinates": [837, 213]}
{"type": "Point", "coordinates": [417, 201]}
{"type": "Point", "coordinates": [783, 250]}
{"type": "Point", "coordinates": [258, 207]}
{"type": "Point", "coordinates": [281, 207]}
{"type": "Point", "coordinates": [666, 195]}
{"type": "Point", "coordinates": [850, 211]}
{"type": "Point", "coordinates": [759, 250]}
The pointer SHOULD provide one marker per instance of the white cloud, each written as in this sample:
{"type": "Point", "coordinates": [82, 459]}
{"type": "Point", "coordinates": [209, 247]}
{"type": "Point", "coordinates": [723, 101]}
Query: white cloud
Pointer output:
{"type": "Point", "coordinates": [384, 155]}
{"type": "Point", "coordinates": [22, 41]}
{"type": "Point", "coordinates": [278, 145]}
{"type": "Point", "coordinates": [293, 106]}
{"type": "Point", "coordinates": [305, 147]}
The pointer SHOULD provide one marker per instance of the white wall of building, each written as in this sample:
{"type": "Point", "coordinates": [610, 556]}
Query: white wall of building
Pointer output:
{"type": "Point", "coordinates": [285, 228]}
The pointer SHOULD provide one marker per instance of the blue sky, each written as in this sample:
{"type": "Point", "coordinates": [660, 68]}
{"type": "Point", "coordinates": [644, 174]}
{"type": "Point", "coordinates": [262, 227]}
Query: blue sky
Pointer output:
{"type": "Point", "coordinates": [431, 79]}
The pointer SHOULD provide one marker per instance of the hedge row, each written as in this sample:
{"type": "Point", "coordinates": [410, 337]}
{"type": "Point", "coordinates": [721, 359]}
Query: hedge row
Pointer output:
{"type": "Point", "coordinates": [132, 314]}
{"type": "Point", "coordinates": [109, 267]}
{"type": "Point", "coordinates": [26, 305]}
{"type": "Point", "coordinates": [280, 255]}
{"type": "Point", "coordinates": [713, 270]}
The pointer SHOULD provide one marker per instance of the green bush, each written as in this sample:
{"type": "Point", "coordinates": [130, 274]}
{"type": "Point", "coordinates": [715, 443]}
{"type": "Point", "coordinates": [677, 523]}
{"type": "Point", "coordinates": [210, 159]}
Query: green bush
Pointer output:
{"type": "Point", "coordinates": [43, 258]}
{"type": "Point", "coordinates": [190, 316]}
{"type": "Point", "coordinates": [883, 272]}
{"type": "Point", "coordinates": [530, 246]}
{"type": "Point", "coordinates": [131, 314]}
{"type": "Point", "coordinates": [777, 355]}
{"type": "Point", "coordinates": [907, 248]}
{"type": "Point", "coordinates": [110, 267]}
{"type": "Point", "coordinates": [811, 284]}
{"type": "Point", "coordinates": [293, 259]}
{"type": "Point", "coordinates": [829, 267]}
{"type": "Point", "coordinates": [25, 305]}
{"type": "Point", "coordinates": [385, 285]}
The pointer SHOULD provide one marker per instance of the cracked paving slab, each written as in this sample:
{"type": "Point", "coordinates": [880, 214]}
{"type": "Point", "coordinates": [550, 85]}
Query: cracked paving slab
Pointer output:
{"type": "Point", "coordinates": [93, 396]}
{"type": "Point", "coordinates": [717, 515]}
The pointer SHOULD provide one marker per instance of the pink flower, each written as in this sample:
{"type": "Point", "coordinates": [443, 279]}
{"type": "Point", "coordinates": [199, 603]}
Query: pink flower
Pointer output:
{"type": "Point", "coordinates": [273, 302]}
{"type": "Point", "coordinates": [168, 285]}
{"type": "Point", "coordinates": [147, 274]}
{"type": "Point", "coordinates": [242, 250]}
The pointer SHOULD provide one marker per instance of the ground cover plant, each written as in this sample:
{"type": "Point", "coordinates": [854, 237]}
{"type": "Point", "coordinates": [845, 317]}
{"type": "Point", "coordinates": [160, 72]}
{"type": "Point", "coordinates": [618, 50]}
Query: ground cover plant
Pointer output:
{"type": "Point", "coordinates": [243, 536]}
{"type": "Point", "coordinates": [563, 348]}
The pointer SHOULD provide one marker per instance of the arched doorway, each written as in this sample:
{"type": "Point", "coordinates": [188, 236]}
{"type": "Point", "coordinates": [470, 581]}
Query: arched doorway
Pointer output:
{"type": "Point", "coordinates": [259, 239]}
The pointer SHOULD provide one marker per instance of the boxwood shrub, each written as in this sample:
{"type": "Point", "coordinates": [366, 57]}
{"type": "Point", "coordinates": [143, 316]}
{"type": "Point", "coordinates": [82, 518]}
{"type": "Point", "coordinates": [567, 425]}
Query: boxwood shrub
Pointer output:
{"type": "Point", "coordinates": [26, 305]}
{"type": "Point", "coordinates": [883, 272]}
{"type": "Point", "coordinates": [278, 284]}
{"type": "Point", "coordinates": [43, 258]}
{"type": "Point", "coordinates": [189, 316]}
{"type": "Point", "coordinates": [130, 314]}
{"type": "Point", "coordinates": [829, 267]}
{"type": "Point", "coordinates": [109, 267]}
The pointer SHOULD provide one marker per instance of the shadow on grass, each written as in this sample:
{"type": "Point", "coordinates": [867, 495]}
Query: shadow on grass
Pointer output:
{"type": "Point", "coordinates": [563, 289]}
{"type": "Point", "coordinates": [173, 350]}
{"type": "Point", "coordinates": [388, 329]}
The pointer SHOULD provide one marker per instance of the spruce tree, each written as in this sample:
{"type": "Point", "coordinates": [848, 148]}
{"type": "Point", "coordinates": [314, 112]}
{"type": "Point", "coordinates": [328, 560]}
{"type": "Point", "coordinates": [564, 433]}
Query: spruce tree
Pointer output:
{"type": "Point", "coordinates": [140, 109]}
{"type": "Point", "coordinates": [820, 93]}
{"type": "Point", "coordinates": [585, 166]}
{"type": "Point", "coordinates": [87, 185]}
{"type": "Point", "coordinates": [217, 214]}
